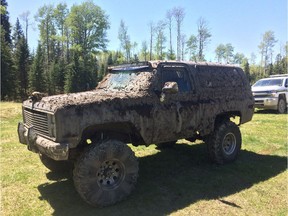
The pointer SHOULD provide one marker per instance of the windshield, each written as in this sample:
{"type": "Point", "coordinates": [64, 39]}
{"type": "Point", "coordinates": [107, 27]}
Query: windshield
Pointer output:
{"type": "Point", "coordinates": [120, 80]}
{"type": "Point", "coordinates": [269, 82]}
{"type": "Point", "coordinates": [127, 80]}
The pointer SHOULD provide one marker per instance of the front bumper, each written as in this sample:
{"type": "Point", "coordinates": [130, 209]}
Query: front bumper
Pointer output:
{"type": "Point", "coordinates": [36, 143]}
{"type": "Point", "coordinates": [266, 103]}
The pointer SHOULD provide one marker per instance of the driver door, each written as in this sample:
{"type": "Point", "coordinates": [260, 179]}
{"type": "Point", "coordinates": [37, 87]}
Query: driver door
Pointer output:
{"type": "Point", "coordinates": [175, 114]}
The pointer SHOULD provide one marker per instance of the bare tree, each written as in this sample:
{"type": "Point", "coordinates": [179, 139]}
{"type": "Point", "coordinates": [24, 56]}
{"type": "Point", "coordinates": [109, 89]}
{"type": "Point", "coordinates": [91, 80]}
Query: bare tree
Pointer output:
{"type": "Point", "coordinates": [266, 48]}
{"type": "Point", "coordinates": [169, 17]}
{"type": "Point", "coordinates": [60, 15]}
{"type": "Point", "coordinates": [253, 58]}
{"type": "Point", "coordinates": [125, 40]}
{"type": "Point", "coordinates": [144, 50]}
{"type": "Point", "coordinates": [25, 18]}
{"type": "Point", "coordinates": [151, 27]}
{"type": "Point", "coordinates": [203, 37]}
{"type": "Point", "coordinates": [179, 14]}
{"type": "Point", "coordinates": [160, 39]}
{"type": "Point", "coordinates": [183, 43]}
{"type": "Point", "coordinates": [134, 46]}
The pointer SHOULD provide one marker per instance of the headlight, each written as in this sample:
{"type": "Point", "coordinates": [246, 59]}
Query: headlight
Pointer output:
{"type": "Point", "coordinates": [273, 93]}
{"type": "Point", "coordinates": [51, 125]}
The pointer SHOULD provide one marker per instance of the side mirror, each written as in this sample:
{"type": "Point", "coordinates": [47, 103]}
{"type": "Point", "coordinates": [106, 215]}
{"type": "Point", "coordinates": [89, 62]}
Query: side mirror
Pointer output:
{"type": "Point", "coordinates": [170, 88]}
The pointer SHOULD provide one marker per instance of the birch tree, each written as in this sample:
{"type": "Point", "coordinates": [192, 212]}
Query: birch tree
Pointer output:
{"type": "Point", "coordinates": [179, 15]}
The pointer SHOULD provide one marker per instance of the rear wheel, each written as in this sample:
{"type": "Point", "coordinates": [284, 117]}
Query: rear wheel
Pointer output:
{"type": "Point", "coordinates": [106, 173]}
{"type": "Point", "coordinates": [282, 106]}
{"type": "Point", "coordinates": [225, 142]}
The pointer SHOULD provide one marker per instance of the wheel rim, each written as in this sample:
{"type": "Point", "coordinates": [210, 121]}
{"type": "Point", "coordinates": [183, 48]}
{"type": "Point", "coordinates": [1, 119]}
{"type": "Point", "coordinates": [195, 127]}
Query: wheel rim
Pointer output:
{"type": "Point", "coordinates": [229, 143]}
{"type": "Point", "coordinates": [282, 106]}
{"type": "Point", "coordinates": [110, 174]}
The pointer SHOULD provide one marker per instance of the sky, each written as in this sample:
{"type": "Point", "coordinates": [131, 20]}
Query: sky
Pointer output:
{"type": "Point", "coordinates": [239, 22]}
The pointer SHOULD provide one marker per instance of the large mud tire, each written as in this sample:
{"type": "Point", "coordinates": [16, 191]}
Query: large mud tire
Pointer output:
{"type": "Point", "coordinates": [282, 106]}
{"type": "Point", "coordinates": [56, 166]}
{"type": "Point", "coordinates": [225, 143]}
{"type": "Point", "coordinates": [106, 173]}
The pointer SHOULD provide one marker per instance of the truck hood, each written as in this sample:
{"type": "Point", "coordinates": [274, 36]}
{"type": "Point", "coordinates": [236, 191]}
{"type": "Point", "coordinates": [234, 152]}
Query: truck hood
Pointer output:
{"type": "Point", "coordinates": [53, 103]}
{"type": "Point", "coordinates": [265, 88]}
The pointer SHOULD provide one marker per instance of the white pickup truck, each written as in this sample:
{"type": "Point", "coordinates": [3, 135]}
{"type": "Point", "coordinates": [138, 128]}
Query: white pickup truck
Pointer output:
{"type": "Point", "coordinates": [272, 93]}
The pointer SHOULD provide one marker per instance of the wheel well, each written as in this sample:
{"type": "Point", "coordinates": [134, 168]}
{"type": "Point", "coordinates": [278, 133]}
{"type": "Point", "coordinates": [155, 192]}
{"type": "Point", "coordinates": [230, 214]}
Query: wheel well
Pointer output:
{"type": "Point", "coordinates": [235, 115]}
{"type": "Point", "coordinates": [123, 131]}
{"type": "Point", "coordinates": [282, 96]}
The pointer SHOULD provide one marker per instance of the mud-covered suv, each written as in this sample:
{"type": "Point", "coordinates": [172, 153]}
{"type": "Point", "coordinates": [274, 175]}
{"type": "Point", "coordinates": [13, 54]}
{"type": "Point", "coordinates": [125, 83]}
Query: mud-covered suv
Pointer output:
{"type": "Point", "coordinates": [156, 102]}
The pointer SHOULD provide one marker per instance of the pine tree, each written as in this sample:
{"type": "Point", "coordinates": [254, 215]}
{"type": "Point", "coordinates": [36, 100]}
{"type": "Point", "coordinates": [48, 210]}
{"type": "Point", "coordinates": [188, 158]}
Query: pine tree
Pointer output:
{"type": "Point", "coordinates": [37, 79]}
{"type": "Point", "coordinates": [90, 72]}
{"type": "Point", "coordinates": [280, 65]}
{"type": "Point", "coordinates": [110, 59]}
{"type": "Point", "coordinates": [74, 80]}
{"type": "Point", "coordinates": [246, 68]}
{"type": "Point", "coordinates": [8, 85]}
{"type": "Point", "coordinates": [270, 69]}
{"type": "Point", "coordinates": [59, 75]}
{"type": "Point", "coordinates": [21, 60]}
{"type": "Point", "coordinates": [5, 24]}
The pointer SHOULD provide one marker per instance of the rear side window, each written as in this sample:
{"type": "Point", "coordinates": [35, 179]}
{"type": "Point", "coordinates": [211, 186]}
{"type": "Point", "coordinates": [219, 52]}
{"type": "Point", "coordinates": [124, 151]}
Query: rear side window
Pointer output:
{"type": "Point", "coordinates": [178, 75]}
{"type": "Point", "coordinates": [219, 77]}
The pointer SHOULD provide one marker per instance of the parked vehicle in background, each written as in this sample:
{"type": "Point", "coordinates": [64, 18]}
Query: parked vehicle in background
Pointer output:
{"type": "Point", "coordinates": [271, 93]}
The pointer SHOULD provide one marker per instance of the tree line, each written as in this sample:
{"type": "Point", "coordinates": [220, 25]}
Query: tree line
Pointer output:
{"type": "Point", "coordinates": [72, 54]}
{"type": "Point", "coordinates": [66, 56]}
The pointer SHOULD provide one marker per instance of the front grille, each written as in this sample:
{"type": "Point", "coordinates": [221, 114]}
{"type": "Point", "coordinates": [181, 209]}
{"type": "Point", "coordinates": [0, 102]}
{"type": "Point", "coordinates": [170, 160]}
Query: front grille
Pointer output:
{"type": "Point", "coordinates": [261, 94]}
{"type": "Point", "coordinates": [259, 102]}
{"type": "Point", "coordinates": [38, 120]}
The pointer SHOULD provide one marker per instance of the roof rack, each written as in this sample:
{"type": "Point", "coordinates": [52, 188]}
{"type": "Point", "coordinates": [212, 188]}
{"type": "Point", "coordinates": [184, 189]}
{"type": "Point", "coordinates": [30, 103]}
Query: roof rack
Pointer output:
{"type": "Point", "coordinates": [129, 65]}
{"type": "Point", "coordinates": [279, 75]}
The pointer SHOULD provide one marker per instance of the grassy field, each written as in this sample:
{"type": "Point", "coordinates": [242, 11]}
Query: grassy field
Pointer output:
{"type": "Point", "coordinates": [177, 181]}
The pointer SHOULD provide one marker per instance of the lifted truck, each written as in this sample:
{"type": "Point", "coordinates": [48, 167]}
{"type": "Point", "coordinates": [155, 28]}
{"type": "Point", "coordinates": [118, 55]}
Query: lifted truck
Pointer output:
{"type": "Point", "coordinates": [156, 102]}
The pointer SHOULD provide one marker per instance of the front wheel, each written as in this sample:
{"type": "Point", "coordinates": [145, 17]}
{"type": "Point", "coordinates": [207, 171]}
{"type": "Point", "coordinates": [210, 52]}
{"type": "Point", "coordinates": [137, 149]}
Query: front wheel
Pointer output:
{"type": "Point", "coordinates": [282, 106]}
{"type": "Point", "coordinates": [225, 142]}
{"type": "Point", "coordinates": [106, 173]}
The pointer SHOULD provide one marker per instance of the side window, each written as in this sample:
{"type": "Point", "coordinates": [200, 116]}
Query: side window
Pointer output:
{"type": "Point", "coordinates": [178, 75]}
{"type": "Point", "coordinates": [286, 83]}
{"type": "Point", "coordinates": [219, 77]}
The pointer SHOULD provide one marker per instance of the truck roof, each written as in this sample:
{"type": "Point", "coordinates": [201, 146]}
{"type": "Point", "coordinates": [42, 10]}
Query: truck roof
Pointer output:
{"type": "Point", "coordinates": [154, 64]}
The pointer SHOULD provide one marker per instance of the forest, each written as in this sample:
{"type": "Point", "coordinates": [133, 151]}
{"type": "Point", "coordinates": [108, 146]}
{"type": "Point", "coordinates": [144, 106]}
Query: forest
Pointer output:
{"type": "Point", "coordinates": [72, 54]}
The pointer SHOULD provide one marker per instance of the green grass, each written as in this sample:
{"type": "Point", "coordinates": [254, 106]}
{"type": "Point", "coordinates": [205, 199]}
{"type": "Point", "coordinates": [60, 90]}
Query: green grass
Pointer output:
{"type": "Point", "coordinates": [177, 181]}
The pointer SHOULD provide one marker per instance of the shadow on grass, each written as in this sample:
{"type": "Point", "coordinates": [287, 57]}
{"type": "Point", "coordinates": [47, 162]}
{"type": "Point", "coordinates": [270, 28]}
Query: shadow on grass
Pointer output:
{"type": "Point", "coordinates": [264, 111]}
{"type": "Point", "coordinates": [172, 180]}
